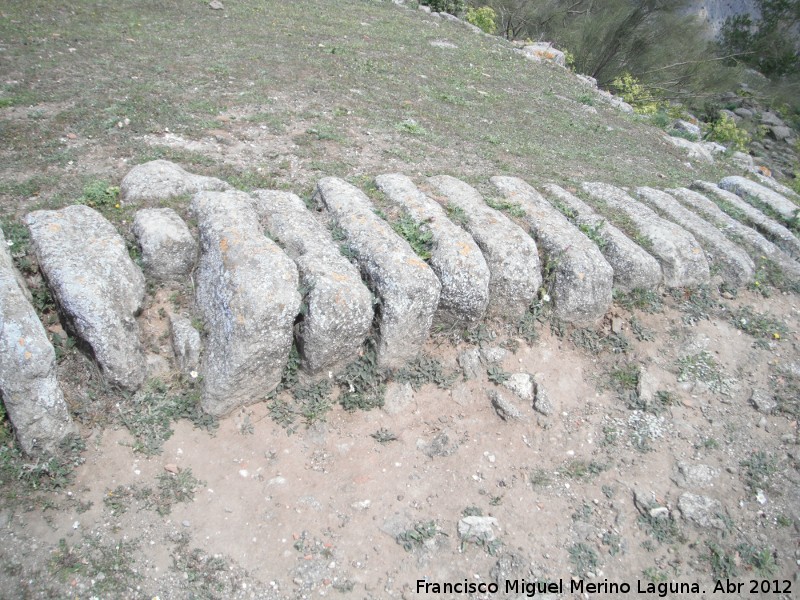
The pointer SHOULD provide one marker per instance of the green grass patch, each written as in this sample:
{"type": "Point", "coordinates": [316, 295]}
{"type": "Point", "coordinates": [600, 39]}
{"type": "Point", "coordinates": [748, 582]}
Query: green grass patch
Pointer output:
{"type": "Point", "coordinates": [421, 240]}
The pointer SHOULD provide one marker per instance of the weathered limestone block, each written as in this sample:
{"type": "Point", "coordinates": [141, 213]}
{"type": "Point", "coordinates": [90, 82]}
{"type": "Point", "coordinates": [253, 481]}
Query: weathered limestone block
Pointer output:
{"type": "Point", "coordinates": [407, 288]}
{"type": "Point", "coordinates": [338, 311]}
{"type": "Point", "coordinates": [778, 187]}
{"type": "Point", "coordinates": [186, 343]}
{"type": "Point", "coordinates": [758, 195]}
{"type": "Point", "coordinates": [633, 266]}
{"type": "Point", "coordinates": [755, 243]}
{"type": "Point", "coordinates": [583, 278]}
{"type": "Point", "coordinates": [168, 248]}
{"type": "Point", "coordinates": [455, 257]}
{"type": "Point", "coordinates": [247, 295]}
{"type": "Point", "coordinates": [28, 386]}
{"type": "Point", "coordinates": [741, 210]}
{"type": "Point", "coordinates": [96, 285]}
{"type": "Point", "coordinates": [682, 260]}
{"type": "Point", "coordinates": [736, 268]}
{"type": "Point", "coordinates": [511, 255]}
{"type": "Point", "coordinates": [159, 180]}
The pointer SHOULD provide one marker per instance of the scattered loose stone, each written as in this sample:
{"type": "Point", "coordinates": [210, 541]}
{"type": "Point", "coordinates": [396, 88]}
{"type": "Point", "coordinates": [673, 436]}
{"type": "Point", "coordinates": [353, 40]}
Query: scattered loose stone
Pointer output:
{"type": "Point", "coordinates": [477, 529]}
{"type": "Point", "coordinates": [541, 51]}
{"type": "Point", "coordinates": [470, 363]}
{"type": "Point", "coordinates": [758, 195]}
{"type": "Point", "coordinates": [735, 265]}
{"type": "Point", "coordinates": [648, 386]}
{"type": "Point", "coordinates": [30, 392]}
{"type": "Point", "coordinates": [582, 277]}
{"type": "Point", "coordinates": [510, 253]}
{"type": "Point", "coordinates": [338, 306]}
{"type": "Point", "coordinates": [774, 231]}
{"type": "Point", "coordinates": [701, 511]}
{"type": "Point", "coordinates": [160, 180]}
{"type": "Point", "coordinates": [633, 266]}
{"type": "Point", "coordinates": [683, 262]}
{"type": "Point", "coordinates": [695, 476]}
{"type": "Point", "coordinates": [247, 295]}
{"type": "Point", "coordinates": [406, 286]}
{"type": "Point", "coordinates": [542, 403]}
{"type": "Point", "coordinates": [493, 354]}
{"type": "Point", "coordinates": [521, 384]}
{"type": "Point", "coordinates": [96, 285]}
{"type": "Point", "coordinates": [186, 343]}
{"type": "Point", "coordinates": [504, 407]}
{"type": "Point", "coordinates": [398, 397]}
{"type": "Point", "coordinates": [168, 248]}
{"type": "Point", "coordinates": [763, 401]}
{"type": "Point", "coordinates": [694, 150]}
{"type": "Point", "coordinates": [455, 257]}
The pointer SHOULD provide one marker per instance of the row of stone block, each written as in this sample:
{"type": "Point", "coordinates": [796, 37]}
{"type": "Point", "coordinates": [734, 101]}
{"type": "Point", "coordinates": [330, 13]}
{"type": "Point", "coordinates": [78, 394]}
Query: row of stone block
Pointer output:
{"type": "Point", "coordinates": [257, 293]}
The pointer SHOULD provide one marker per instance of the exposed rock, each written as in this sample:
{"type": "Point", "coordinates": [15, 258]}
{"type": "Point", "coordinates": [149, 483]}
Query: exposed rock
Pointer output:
{"type": "Point", "coordinates": [168, 248]}
{"type": "Point", "coordinates": [186, 343]}
{"type": "Point", "coordinates": [406, 286]}
{"type": "Point", "coordinates": [647, 386]}
{"type": "Point", "coordinates": [398, 397]}
{"type": "Point", "coordinates": [455, 257]}
{"type": "Point", "coordinates": [521, 384]}
{"type": "Point", "coordinates": [156, 366]}
{"type": "Point", "coordinates": [633, 267]}
{"type": "Point", "coordinates": [216, 5]}
{"type": "Point", "coordinates": [763, 401]}
{"type": "Point", "coordinates": [160, 180]}
{"type": "Point", "coordinates": [736, 267]}
{"type": "Point", "coordinates": [510, 253]}
{"type": "Point", "coordinates": [731, 115]}
{"type": "Point", "coordinates": [470, 363]}
{"type": "Point", "coordinates": [247, 295]}
{"type": "Point", "coordinates": [713, 147]}
{"type": "Point", "coordinates": [694, 150]}
{"type": "Point", "coordinates": [771, 229]}
{"type": "Point", "coordinates": [758, 195]}
{"type": "Point", "coordinates": [695, 476]}
{"type": "Point", "coordinates": [492, 354]}
{"type": "Point", "coordinates": [338, 306]}
{"type": "Point", "coordinates": [582, 277]}
{"type": "Point", "coordinates": [30, 392]}
{"type": "Point", "coordinates": [96, 285]}
{"type": "Point", "coordinates": [701, 511]}
{"type": "Point", "coordinates": [682, 260]}
{"type": "Point", "coordinates": [541, 51]}
{"type": "Point", "coordinates": [745, 113]}
{"type": "Point", "coordinates": [438, 446]}
{"type": "Point", "coordinates": [477, 529]}
{"type": "Point", "coordinates": [505, 408]}
{"type": "Point", "coordinates": [781, 132]}
{"type": "Point", "coordinates": [778, 187]}
{"type": "Point", "coordinates": [686, 126]}
{"type": "Point", "coordinates": [542, 403]}
{"type": "Point", "coordinates": [769, 118]}
{"type": "Point", "coordinates": [743, 161]}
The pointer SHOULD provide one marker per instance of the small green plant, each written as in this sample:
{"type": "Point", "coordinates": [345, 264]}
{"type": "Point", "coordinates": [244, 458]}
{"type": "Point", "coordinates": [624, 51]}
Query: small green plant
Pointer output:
{"type": "Point", "coordinates": [702, 367]}
{"type": "Point", "coordinates": [587, 99]}
{"type": "Point", "coordinates": [762, 561]}
{"type": "Point", "coordinates": [663, 529]}
{"type": "Point", "coordinates": [454, 7]}
{"type": "Point", "coordinates": [757, 324]}
{"type": "Point", "coordinates": [423, 370]}
{"type": "Point", "coordinates": [510, 208]}
{"type": "Point", "coordinates": [472, 511]}
{"type": "Point", "coordinates": [363, 385]}
{"type": "Point", "coordinates": [457, 215]}
{"type": "Point", "coordinates": [540, 478]}
{"type": "Point", "coordinates": [723, 564]}
{"type": "Point", "coordinates": [759, 467]}
{"type": "Point", "coordinates": [655, 575]}
{"type": "Point", "coordinates": [634, 93]}
{"type": "Point", "coordinates": [419, 533]}
{"type": "Point", "coordinates": [584, 559]}
{"type": "Point", "coordinates": [411, 127]}
{"type": "Point", "coordinates": [101, 195]}
{"type": "Point", "coordinates": [484, 18]}
{"type": "Point", "coordinates": [496, 374]}
{"type": "Point", "coordinates": [641, 299]}
{"type": "Point", "coordinates": [595, 233]}
{"type": "Point", "coordinates": [582, 469]}
{"type": "Point", "coordinates": [725, 131]}
{"type": "Point", "coordinates": [421, 240]}
{"type": "Point", "coordinates": [383, 436]}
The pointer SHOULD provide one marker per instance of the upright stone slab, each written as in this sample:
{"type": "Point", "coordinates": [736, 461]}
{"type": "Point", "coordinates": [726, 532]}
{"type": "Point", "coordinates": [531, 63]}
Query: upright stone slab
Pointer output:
{"type": "Point", "coordinates": [741, 210]}
{"type": "Point", "coordinates": [407, 288]}
{"type": "Point", "coordinates": [583, 278]}
{"type": "Point", "coordinates": [515, 274]}
{"type": "Point", "coordinates": [28, 385]}
{"type": "Point", "coordinates": [735, 266]}
{"type": "Point", "coordinates": [756, 244]}
{"type": "Point", "coordinates": [455, 257]}
{"type": "Point", "coordinates": [682, 260]}
{"type": "Point", "coordinates": [247, 295]}
{"type": "Point", "coordinates": [168, 248]}
{"type": "Point", "coordinates": [96, 285]}
{"type": "Point", "coordinates": [338, 311]}
{"type": "Point", "coordinates": [633, 266]}
{"type": "Point", "coordinates": [160, 180]}
{"type": "Point", "coordinates": [759, 196]}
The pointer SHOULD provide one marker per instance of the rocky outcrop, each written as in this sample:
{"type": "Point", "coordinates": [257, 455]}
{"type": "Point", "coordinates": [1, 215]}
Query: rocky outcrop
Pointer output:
{"type": "Point", "coordinates": [247, 295]}
{"type": "Point", "coordinates": [168, 249]}
{"type": "Point", "coordinates": [96, 285]}
{"type": "Point", "coordinates": [28, 386]}
{"type": "Point", "coordinates": [160, 180]}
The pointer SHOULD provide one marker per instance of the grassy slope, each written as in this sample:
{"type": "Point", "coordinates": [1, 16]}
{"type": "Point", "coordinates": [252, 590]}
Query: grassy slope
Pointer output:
{"type": "Point", "coordinates": [331, 80]}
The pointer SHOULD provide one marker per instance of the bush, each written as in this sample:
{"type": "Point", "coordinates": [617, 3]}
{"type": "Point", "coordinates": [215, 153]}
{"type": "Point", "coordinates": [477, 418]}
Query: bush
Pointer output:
{"type": "Point", "coordinates": [725, 131]}
{"type": "Point", "coordinates": [454, 7]}
{"type": "Point", "coordinates": [484, 18]}
{"type": "Point", "coordinates": [635, 94]}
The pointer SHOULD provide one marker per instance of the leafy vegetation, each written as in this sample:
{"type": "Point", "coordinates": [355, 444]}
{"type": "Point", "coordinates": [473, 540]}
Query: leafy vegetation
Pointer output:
{"type": "Point", "coordinates": [420, 239]}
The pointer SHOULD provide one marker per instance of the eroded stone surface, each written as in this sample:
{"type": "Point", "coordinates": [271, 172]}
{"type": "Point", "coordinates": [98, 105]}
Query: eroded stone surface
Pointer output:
{"type": "Point", "coordinates": [682, 260]}
{"type": "Point", "coordinates": [583, 278]}
{"type": "Point", "coordinates": [758, 195]}
{"type": "Point", "coordinates": [30, 391]}
{"type": "Point", "coordinates": [160, 180]}
{"type": "Point", "coordinates": [407, 288]}
{"type": "Point", "coordinates": [633, 266]}
{"type": "Point", "coordinates": [735, 265]}
{"type": "Point", "coordinates": [168, 248]}
{"type": "Point", "coordinates": [338, 306]}
{"type": "Point", "coordinates": [741, 210]}
{"type": "Point", "coordinates": [455, 257]}
{"type": "Point", "coordinates": [186, 343]}
{"type": "Point", "coordinates": [511, 255]}
{"type": "Point", "coordinates": [96, 285]}
{"type": "Point", "coordinates": [247, 295]}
